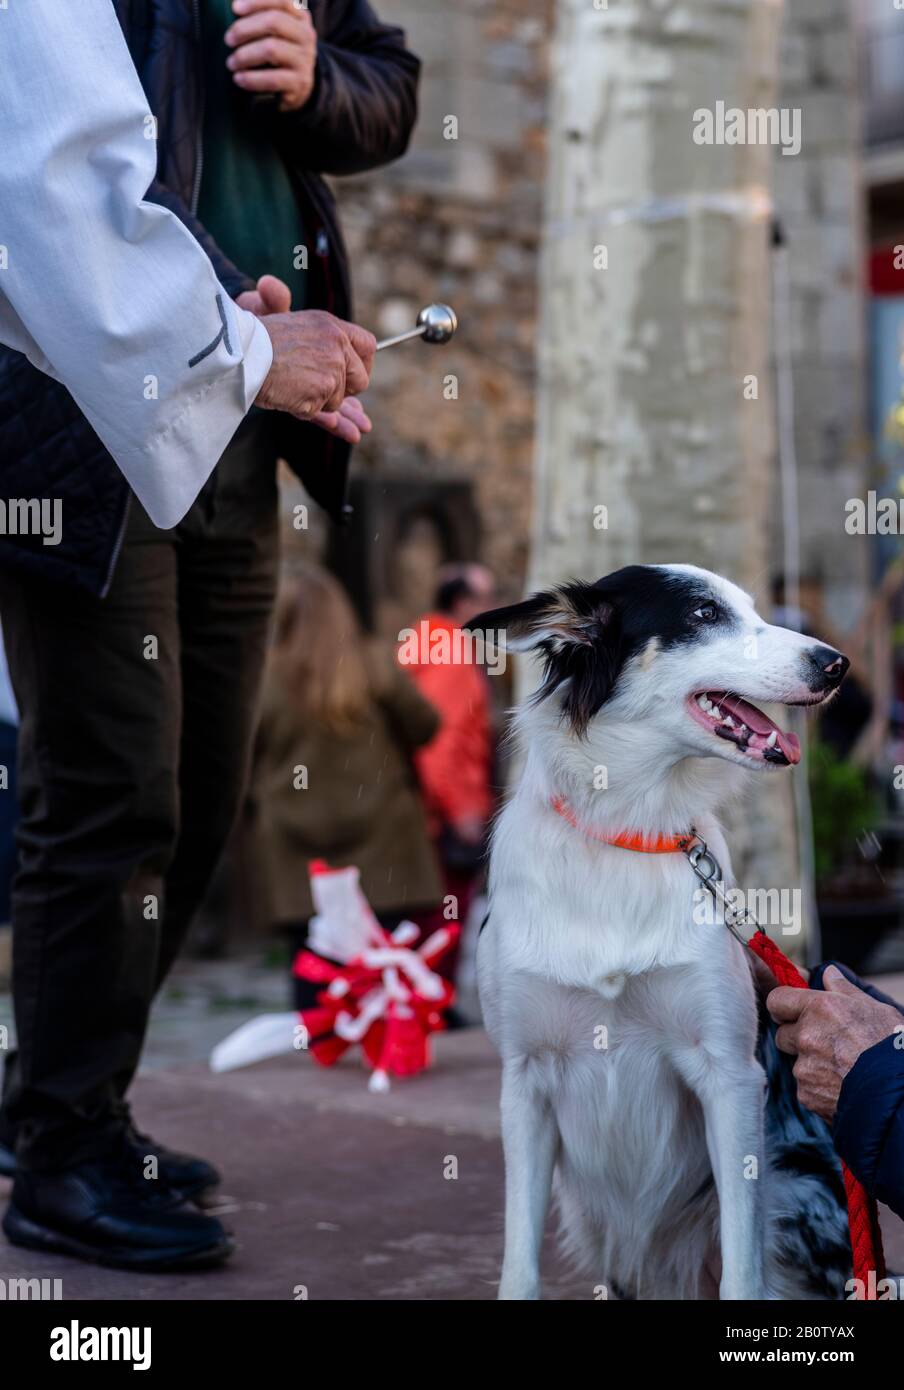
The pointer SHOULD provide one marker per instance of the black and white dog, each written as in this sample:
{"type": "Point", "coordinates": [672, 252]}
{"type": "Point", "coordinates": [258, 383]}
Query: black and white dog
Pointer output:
{"type": "Point", "coordinates": [636, 1079]}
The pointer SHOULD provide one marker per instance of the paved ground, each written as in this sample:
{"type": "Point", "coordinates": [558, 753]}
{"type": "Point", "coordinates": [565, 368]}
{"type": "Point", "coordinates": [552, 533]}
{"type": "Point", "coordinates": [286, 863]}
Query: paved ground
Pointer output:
{"type": "Point", "coordinates": [328, 1188]}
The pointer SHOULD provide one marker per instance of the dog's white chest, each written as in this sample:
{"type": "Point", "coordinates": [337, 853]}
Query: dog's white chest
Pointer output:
{"type": "Point", "coordinates": [579, 913]}
{"type": "Point", "coordinates": [590, 929]}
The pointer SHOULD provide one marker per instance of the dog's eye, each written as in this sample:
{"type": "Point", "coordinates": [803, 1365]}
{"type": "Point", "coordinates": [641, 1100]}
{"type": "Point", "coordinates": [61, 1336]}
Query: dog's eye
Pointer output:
{"type": "Point", "coordinates": [707, 612]}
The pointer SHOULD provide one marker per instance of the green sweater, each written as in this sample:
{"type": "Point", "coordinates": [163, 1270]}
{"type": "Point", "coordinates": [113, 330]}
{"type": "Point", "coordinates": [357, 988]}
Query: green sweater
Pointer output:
{"type": "Point", "coordinates": [247, 201]}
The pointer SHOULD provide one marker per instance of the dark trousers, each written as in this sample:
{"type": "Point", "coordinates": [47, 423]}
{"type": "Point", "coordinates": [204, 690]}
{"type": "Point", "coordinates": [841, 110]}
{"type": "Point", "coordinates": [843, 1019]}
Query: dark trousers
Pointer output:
{"type": "Point", "coordinates": [9, 815]}
{"type": "Point", "coordinates": [137, 718]}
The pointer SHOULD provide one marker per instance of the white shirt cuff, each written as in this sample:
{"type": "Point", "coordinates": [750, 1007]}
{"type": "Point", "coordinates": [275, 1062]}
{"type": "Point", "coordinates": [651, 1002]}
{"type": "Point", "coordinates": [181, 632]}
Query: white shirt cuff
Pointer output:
{"type": "Point", "coordinates": [168, 471]}
{"type": "Point", "coordinates": [257, 350]}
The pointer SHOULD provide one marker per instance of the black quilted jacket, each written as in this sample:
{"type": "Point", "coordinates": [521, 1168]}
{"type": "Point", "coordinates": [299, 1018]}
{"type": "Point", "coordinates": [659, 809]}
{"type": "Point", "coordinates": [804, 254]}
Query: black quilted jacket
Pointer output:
{"type": "Point", "coordinates": [360, 115]}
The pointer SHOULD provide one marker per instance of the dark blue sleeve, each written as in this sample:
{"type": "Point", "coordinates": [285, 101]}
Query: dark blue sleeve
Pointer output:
{"type": "Point", "coordinates": [869, 1123]}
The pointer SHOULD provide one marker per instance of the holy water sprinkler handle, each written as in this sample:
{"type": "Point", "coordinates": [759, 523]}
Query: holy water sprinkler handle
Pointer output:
{"type": "Point", "coordinates": [435, 324]}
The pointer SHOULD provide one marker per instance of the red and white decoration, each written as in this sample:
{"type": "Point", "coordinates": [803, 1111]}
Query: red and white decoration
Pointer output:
{"type": "Point", "coordinates": [379, 991]}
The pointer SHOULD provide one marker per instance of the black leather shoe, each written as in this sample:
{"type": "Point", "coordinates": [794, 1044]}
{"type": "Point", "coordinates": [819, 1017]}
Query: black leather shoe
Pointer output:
{"type": "Point", "coordinates": [108, 1213]}
{"type": "Point", "coordinates": [193, 1177]}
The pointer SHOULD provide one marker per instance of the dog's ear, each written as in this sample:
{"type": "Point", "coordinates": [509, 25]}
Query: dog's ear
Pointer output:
{"type": "Point", "coordinates": [579, 633]}
{"type": "Point", "coordinates": [521, 625]}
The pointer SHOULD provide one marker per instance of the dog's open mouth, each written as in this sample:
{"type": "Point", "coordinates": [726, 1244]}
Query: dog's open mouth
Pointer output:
{"type": "Point", "coordinates": [748, 728]}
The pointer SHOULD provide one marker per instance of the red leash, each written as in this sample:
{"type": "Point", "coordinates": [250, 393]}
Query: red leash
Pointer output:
{"type": "Point", "coordinates": [863, 1214]}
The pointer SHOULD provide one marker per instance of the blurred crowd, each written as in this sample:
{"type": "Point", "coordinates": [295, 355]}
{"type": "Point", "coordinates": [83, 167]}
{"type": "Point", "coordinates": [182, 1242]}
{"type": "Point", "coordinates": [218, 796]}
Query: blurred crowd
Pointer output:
{"type": "Point", "coordinates": [362, 761]}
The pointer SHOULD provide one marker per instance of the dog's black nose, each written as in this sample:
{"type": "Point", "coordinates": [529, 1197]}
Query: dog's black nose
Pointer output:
{"type": "Point", "coordinates": [828, 667]}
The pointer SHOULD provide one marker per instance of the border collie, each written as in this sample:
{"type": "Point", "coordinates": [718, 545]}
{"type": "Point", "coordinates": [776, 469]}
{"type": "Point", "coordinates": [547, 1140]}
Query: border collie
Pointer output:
{"type": "Point", "coordinates": [639, 1080]}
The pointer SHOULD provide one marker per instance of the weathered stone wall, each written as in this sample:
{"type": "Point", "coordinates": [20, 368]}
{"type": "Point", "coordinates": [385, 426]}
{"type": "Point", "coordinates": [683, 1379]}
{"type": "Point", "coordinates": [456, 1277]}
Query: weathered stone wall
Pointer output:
{"type": "Point", "coordinates": [820, 201]}
{"type": "Point", "coordinates": [458, 220]}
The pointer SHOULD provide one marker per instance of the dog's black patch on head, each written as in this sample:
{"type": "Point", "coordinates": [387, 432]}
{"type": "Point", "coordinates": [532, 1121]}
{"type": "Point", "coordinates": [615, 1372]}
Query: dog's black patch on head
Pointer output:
{"type": "Point", "coordinates": [664, 605]}
{"type": "Point", "coordinates": [587, 632]}
{"type": "Point", "coordinates": [586, 658]}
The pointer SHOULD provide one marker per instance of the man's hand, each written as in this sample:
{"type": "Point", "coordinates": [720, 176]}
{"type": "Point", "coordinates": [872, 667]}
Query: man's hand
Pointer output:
{"type": "Point", "coordinates": [827, 1030]}
{"type": "Point", "coordinates": [349, 422]}
{"type": "Point", "coordinates": [275, 50]}
{"type": "Point", "coordinates": [272, 296]}
{"type": "Point", "coordinates": [318, 360]}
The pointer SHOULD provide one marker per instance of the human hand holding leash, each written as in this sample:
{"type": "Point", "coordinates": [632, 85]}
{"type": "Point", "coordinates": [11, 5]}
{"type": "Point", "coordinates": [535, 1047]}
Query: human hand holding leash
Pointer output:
{"type": "Point", "coordinates": [827, 1030]}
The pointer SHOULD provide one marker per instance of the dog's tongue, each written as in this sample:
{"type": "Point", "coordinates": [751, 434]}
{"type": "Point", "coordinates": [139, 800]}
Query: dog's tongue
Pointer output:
{"type": "Point", "coordinates": [760, 723]}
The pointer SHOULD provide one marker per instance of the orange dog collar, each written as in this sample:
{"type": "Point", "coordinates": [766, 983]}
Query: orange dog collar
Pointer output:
{"type": "Point", "coordinates": [643, 844]}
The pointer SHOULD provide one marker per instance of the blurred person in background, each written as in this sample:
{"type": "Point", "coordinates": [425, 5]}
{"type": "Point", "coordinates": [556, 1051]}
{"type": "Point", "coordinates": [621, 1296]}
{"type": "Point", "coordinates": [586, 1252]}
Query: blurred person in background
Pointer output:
{"type": "Point", "coordinates": [455, 768]}
{"type": "Point", "coordinates": [333, 776]}
{"type": "Point", "coordinates": [130, 785]}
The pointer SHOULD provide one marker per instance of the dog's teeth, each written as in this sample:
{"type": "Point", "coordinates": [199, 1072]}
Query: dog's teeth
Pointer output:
{"type": "Point", "coordinates": [729, 721]}
{"type": "Point", "coordinates": [770, 741]}
{"type": "Point", "coordinates": [744, 729]}
{"type": "Point", "coordinates": [702, 701]}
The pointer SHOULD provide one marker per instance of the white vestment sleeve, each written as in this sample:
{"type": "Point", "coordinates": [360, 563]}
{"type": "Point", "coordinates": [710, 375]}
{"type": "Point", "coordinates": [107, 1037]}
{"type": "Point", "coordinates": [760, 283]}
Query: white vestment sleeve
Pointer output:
{"type": "Point", "coordinates": [106, 292]}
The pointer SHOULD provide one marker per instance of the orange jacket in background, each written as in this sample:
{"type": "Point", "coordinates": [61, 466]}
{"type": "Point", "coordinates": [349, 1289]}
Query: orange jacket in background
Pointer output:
{"type": "Point", "coordinates": [454, 767]}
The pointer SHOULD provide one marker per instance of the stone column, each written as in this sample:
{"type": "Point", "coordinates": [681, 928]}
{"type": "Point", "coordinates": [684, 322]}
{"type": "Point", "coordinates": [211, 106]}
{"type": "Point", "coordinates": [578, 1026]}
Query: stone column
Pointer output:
{"type": "Point", "coordinates": [655, 413]}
